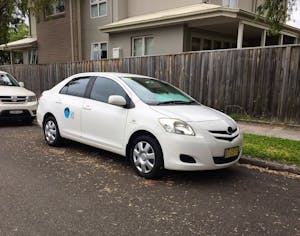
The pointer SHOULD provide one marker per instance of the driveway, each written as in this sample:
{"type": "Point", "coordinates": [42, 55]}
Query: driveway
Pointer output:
{"type": "Point", "coordinates": [79, 190]}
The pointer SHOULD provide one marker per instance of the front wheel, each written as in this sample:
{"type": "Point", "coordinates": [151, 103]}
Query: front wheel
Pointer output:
{"type": "Point", "coordinates": [29, 121]}
{"type": "Point", "coordinates": [51, 132]}
{"type": "Point", "coordinates": [146, 157]}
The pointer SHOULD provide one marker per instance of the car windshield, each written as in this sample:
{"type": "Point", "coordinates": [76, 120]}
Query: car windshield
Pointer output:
{"type": "Point", "coordinates": [8, 80]}
{"type": "Point", "coordinates": [155, 92]}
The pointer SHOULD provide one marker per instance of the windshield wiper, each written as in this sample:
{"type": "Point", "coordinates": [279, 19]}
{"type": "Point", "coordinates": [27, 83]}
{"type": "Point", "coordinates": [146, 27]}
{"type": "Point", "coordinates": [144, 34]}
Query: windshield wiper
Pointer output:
{"type": "Point", "coordinates": [175, 102]}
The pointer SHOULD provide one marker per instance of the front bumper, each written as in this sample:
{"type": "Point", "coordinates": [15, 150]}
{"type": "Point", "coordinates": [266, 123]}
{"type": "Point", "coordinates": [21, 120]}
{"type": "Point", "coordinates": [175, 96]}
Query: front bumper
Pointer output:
{"type": "Point", "coordinates": [207, 151]}
{"type": "Point", "coordinates": [18, 111]}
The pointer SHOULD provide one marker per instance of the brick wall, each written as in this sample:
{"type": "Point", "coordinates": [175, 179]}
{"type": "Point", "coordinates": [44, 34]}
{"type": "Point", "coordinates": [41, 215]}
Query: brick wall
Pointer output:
{"type": "Point", "coordinates": [54, 38]}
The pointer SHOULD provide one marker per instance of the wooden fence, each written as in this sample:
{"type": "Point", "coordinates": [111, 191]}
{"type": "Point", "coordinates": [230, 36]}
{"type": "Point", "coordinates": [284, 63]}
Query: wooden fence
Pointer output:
{"type": "Point", "coordinates": [260, 82]}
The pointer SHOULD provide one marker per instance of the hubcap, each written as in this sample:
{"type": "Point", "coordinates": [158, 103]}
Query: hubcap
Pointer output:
{"type": "Point", "coordinates": [143, 157]}
{"type": "Point", "coordinates": [50, 131]}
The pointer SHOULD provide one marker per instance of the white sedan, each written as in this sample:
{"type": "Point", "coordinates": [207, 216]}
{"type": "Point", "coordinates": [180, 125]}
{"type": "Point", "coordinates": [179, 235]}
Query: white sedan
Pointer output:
{"type": "Point", "coordinates": [150, 121]}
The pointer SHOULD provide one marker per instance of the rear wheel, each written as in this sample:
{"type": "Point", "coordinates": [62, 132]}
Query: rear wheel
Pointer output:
{"type": "Point", "coordinates": [146, 157]}
{"type": "Point", "coordinates": [51, 132]}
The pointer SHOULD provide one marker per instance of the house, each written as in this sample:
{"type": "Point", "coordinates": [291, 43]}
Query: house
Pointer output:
{"type": "Point", "coordinates": [74, 30]}
{"type": "Point", "coordinates": [27, 47]}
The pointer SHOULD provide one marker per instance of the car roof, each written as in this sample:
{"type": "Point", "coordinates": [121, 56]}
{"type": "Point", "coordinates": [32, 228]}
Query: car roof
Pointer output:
{"type": "Point", "coordinates": [116, 74]}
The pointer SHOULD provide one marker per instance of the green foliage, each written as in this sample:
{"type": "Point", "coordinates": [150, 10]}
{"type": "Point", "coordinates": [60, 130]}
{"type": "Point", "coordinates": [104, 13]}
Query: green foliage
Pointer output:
{"type": "Point", "coordinates": [12, 13]}
{"type": "Point", "coordinates": [12, 16]}
{"type": "Point", "coordinates": [276, 149]}
{"type": "Point", "coordinates": [21, 31]}
{"type": "Point", "coordinates": [276, 12]}
{"type": "Point", "coordinates": [39, 5]}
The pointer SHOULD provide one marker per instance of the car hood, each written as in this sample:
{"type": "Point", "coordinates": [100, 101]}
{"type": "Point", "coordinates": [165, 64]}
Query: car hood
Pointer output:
{"type": "Point", "coordinates": [192, 113]}
{"type": "Point", "coordinates": [14, 91]}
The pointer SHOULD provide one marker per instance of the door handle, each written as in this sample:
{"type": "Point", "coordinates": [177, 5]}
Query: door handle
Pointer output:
{"type": "Point", "coordinates": [58, 102]}
{"type": "Point", "coordinates": [87, 107]}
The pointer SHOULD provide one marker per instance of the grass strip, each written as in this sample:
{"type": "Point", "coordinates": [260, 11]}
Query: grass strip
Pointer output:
{"type": "Point", "coordinates": [271, 148]}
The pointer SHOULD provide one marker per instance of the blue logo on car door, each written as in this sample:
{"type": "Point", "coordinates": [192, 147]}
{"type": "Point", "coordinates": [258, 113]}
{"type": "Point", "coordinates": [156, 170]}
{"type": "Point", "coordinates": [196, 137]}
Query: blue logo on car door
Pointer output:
{"type": "Point", "coordinates": [67, 112]}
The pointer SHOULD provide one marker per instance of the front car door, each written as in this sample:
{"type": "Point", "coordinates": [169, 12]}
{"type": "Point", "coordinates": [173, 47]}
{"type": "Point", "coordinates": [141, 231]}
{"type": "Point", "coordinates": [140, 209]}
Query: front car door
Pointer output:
{"type": "Point", "coordinates": [104, 124]}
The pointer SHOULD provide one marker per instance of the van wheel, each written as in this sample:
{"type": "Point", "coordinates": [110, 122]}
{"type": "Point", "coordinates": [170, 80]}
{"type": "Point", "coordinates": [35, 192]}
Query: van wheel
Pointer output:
{"type": "Point", "coordinates": [146, 157]}
{"type": "Point", "coordinates": [51, 132]}
{"type": "Point", "coordinates": [28, 121]}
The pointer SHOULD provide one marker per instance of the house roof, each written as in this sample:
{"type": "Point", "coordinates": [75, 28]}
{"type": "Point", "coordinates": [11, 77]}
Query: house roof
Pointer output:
{"type": "Point", "coordinates": [183, 15]}
{"type": "Point", "coordinates": [19, 44]}
{"type": "Point", "coordinates": [159, 16]}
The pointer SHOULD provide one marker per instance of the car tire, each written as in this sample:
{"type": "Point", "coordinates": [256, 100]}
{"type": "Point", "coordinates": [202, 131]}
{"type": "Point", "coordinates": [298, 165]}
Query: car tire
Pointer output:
{"type": "Point", "coordinates": [51, 132]}
{"type": "Point", "coordinates": [146, 157]}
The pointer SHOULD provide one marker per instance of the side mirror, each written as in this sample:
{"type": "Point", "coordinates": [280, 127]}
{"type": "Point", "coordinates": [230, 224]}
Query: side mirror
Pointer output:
{"type": "Point", "coordinates": [117, 100]}
{"type": "Point", "coordinates": [21, 84]}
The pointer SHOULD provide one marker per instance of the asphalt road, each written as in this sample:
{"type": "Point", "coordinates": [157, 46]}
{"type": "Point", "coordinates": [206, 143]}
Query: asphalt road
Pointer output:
{"type": "Point", "coordinates": [79, 190]}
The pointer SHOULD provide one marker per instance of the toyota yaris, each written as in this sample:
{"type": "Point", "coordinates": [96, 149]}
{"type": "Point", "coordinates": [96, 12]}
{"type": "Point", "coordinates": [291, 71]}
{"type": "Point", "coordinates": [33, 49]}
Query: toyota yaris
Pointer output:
{"type": "Point", "coordinates": [154, 124]}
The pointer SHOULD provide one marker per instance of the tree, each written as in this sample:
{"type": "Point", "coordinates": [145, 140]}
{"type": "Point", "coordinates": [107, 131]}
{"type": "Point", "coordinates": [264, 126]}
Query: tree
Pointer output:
{"type": "Point", "coordinates": [12, 16]}
{"type": "Point", "coordinates": [12, 13]}
{"type": "Point", "coordinates": [21, 31]}
{"type": "Point", "coordinates": [276, 12]}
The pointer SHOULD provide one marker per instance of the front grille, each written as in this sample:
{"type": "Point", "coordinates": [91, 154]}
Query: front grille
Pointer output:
{"type": "Point", "coordinates": [12, 99]}
{"type": "Point", "coordinates": [223, 160]}
{"type": "Point", "coordinates": [229, 139]}
{"type": "Point", "coordinates": [221, 131]}
{"type": "Point", "coordinates": [6, 114]}
{"type": "Point", "coordinates": [225, 135]}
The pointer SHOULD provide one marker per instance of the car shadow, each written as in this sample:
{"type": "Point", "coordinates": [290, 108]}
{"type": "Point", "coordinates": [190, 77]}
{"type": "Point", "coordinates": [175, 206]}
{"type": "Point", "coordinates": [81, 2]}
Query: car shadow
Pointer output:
{"type": "Point", "coordinates": [204, 177]}
{"type": "Point", "coordinates": [230, 174]}
{"type": "Point", "coordinates": [101, 154]}
{"type": "Point", "coordinates": [15, 123]}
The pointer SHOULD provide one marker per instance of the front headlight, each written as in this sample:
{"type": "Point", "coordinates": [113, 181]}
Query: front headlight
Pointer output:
{"type": "Point", "coordinates": [31, 99]}
{"type": "Point", "coordinates": [176, 126]}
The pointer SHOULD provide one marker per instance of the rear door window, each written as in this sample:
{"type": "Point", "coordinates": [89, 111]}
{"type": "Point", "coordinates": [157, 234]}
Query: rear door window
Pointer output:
{"type": "Point", "coordinates": [77, 87]}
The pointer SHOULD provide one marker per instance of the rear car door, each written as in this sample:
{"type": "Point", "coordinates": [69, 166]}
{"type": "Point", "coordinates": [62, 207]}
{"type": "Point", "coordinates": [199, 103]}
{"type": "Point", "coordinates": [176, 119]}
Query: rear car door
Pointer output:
{"type": "Point", "coordinates": [104, 124]}
{"type": "Point", "coordinates": [70, 101]}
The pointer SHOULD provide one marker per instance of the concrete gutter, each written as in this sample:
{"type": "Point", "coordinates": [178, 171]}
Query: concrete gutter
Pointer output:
{"type": "Point", "coordinates": [291, 132]}
{"type": "Point", "coordinates": [270, 165]}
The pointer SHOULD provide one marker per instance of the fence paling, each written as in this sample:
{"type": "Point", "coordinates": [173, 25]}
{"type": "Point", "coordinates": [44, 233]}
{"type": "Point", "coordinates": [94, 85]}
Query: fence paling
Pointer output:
{"type": "Point", "coordinates": [262, 82]}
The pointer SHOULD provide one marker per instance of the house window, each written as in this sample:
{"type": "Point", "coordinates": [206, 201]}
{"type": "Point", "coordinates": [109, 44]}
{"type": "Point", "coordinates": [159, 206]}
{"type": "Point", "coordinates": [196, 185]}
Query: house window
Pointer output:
{"type": "Point", "coordinates": [142, 46]}
{"type": "Point", "coordinates": [98, 8]}
{"type": "Point", "coordinates": [56, 8]}
{"type": "Point", "coordinates": [196, 44]}
{"type": "Point", "coordinates": [230, 3]}
{"type": "Point", "coordinates": [207, 44]}
{"type": "Point", "coordinates": [226, 45]}
{"type": "Point", "coordinates": [99, 51]}
{"type": "Point", "coordinates": [217, 44]}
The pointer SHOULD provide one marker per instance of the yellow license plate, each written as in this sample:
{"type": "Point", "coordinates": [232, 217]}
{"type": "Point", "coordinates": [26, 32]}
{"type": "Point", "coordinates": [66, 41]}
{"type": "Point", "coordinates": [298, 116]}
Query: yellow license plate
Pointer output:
{"type": "Point", "coordinates": [231, 152]}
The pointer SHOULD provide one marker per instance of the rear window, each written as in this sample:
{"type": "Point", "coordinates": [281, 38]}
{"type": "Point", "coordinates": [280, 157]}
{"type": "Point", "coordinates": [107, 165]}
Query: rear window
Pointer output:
{"type": "Point", "coordinates": [76, 87]}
